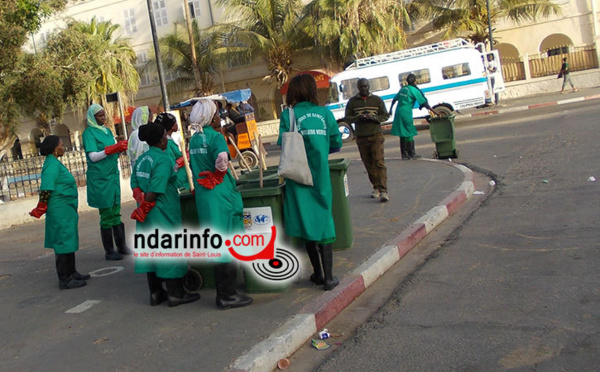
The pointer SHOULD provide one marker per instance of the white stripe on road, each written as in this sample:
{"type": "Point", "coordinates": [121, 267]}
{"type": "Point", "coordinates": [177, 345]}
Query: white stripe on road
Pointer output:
{"type": "Point", "coordinates": [86, 305]}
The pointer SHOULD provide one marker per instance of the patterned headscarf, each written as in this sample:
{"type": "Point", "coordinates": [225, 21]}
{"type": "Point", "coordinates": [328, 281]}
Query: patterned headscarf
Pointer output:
{"type": "Point", "coordinates": [135, 147]}
{"type": "Point", "coordinates": [202, 114]}
{"type": "Point", "coordinates": [91, 119]}
{"type": "Point", "coordinates": [140, 117]}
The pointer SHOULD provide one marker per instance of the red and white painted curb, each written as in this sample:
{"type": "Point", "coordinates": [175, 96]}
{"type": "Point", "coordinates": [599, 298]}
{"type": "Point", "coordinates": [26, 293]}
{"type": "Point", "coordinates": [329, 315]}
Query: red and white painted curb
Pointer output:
{"type": "Point", "coordinates": [297, 330]}
{"type": "Point", "coordinates": [533, 106]}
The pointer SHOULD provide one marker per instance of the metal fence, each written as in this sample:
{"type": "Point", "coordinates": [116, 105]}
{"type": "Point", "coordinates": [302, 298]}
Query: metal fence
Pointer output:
{"type": "Point", "coordinates": [22, 178]}
{"type": "Point", "coordinates": [542, 64]}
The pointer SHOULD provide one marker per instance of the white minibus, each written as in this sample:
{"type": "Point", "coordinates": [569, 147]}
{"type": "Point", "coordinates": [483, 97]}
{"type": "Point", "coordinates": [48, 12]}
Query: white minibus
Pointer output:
{"type": "Point", "coordinates": [452, 74]}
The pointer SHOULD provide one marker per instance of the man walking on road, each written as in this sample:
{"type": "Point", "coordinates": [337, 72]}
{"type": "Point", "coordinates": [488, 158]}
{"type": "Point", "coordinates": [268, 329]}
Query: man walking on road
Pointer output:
{"type": "Point", "coordinates": [367, 112]}
{"type": "Point", "coordinates": [565, 73]}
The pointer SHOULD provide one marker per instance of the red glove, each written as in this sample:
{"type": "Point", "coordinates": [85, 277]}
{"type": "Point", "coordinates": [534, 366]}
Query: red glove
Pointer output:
{"type": "Point", "coordinates": [40, 210]}
{"type": "Point", "coordinates": [180, 162]}
{"type": "Point", "coordinates": [138, 195]}
{"type": "Point", "coordinates": [142, 211]}
{"type": "Point", "coordinates": [211, 179]}
{"type": "Point", "coordinates": [117, 147]}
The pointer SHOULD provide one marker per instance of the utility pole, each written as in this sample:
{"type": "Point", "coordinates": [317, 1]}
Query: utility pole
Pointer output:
{"type": "Point", "coordinates": [490, 25]}
{"type": "Point", "coordinates": [188, 21]}
{"type": "Point", "coordinates": [161, 72]}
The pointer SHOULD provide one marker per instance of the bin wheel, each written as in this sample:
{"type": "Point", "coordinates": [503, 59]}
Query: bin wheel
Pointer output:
{"type": "Point", "coordinates": [250, 157]}
{"type": "Point", "coordinates": [346, 131]}
{"type": "Point", "coordinates": [455, 154]}
{"type": "Point", "coordinates": [192, 280]}
{"type": "Point", "coordinates": [436, 155]}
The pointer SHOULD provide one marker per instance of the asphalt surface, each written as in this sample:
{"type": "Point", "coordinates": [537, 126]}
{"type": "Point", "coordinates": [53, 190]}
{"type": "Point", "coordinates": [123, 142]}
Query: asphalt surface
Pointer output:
{"type": "Point", "coordinates": [121, 332]}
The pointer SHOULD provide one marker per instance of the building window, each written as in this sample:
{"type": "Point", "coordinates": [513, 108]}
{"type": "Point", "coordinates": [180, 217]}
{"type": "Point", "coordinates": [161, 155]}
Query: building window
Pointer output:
{"type": "Point", "coordinates": [160, 13]}
{"type": "Point", "coordinates": [129, 21]}
{"type": "Point", "coordinates": [194, 8]}
{"type": "Point", "coordinates": [142, 59]}
{"type": "Point", "coordinates": [558, 51]}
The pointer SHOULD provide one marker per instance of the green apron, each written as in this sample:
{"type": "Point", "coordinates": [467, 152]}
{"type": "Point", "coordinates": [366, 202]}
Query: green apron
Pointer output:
{"type": "Point", "coordinates": [61, 218]}
{"type": "Point", "coordinates": [103, 181]}
{"type": "Point", "coordinates": [155, 172]}
{"type": "Point", "coordinates": [307, 210]}
{"type": "Point", "coordinates": [403, 125]}
{"type": "Point", "coordinates": [173, 151]}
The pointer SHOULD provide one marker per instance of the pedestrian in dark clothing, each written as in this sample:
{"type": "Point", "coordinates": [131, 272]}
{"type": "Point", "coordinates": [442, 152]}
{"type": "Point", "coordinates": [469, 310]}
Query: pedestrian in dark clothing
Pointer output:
{"type": "Point", "coordinates": [565, 72]}
{"type": "Point", "coordinates": [367, 112]}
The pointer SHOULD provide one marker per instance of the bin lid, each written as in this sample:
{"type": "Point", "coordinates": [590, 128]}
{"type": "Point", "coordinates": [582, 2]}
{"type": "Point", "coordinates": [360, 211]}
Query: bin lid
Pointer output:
{"type": "Point", "coordinates": [339, 164]}
{"type": "Point", "coordinates": [251, 190]}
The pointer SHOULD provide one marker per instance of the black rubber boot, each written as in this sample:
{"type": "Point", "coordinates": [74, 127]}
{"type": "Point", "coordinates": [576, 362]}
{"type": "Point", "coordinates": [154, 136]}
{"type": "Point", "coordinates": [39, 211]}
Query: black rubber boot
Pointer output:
{"type": "Point", "coordinates": [411, 151]}
{"type": "Point", "coordinates": [177, 295]}
{"type": "Point", "coordinates": [158, 295]}
{"type": "Point", "coordinates": [120, 241]}
{"type": "Point", "coordinates": [313, 254]}
{"type": "Point", "coordinates": [327, 257]}
{"type": "Point", "coordinates": [73, 271]}
{"type": "Point", "coordinates": [65, 279]}
{"type": "Point", "coordinates": [404, 149]}
{"type": "Point", "coordinates": [225, 281]}
{"type": "Point", "coordinates": [109, 248]}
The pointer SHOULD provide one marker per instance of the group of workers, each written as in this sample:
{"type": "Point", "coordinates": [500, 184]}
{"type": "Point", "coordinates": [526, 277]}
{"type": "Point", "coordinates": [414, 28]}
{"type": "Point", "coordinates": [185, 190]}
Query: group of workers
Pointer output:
{"type": "Point", "coordinates": [158, 174]}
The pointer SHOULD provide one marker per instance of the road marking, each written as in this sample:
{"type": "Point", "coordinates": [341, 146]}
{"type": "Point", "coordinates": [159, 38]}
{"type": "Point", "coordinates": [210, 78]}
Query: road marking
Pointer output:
{"type": "Point", "coordinates": [86, 305]}
{"type": "Point", "coordinates": [106, 271]}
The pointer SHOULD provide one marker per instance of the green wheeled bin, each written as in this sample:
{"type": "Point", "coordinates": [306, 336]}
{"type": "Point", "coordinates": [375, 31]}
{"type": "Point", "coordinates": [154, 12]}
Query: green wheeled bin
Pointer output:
{"type": "Point", "coordinates": [258, 203]}
{"type": "Point", "coordinates": [269, 176]}
{"type": "Point", "coordinates": [441, 129]}
{"type": "Point", "coordinates": [200, 274]}
{"type": "Point", "coordinates": [338, 169]}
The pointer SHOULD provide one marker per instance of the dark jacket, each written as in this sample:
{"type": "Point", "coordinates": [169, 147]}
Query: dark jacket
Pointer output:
{"type": "Point", "coordinates": [358, 106]}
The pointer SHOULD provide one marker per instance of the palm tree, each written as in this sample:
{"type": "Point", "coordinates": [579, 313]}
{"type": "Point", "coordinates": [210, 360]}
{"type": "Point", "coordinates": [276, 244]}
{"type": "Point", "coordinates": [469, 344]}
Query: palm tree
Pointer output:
{"type": "Point", "coordinates": [265, 28]}
{"type": "Point", "coordinates": [115, 60]}
{"type": "Point", "coordinates": [470, 17]}
{"type": "Point", "coordinates": [177, 59]}
{"type": "Point", "coordinates": [346, 29]}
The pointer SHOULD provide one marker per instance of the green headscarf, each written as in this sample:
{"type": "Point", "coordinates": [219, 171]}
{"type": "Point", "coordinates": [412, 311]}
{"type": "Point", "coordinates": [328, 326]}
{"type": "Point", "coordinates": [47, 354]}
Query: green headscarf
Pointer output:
{"type": "Point", "coordinates": [91, 119]}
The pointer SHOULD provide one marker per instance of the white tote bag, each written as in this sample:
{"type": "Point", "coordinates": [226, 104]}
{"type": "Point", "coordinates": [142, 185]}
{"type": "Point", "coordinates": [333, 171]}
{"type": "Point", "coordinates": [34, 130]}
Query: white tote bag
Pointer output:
{"type": "Point", "coordinates": [293, 163]}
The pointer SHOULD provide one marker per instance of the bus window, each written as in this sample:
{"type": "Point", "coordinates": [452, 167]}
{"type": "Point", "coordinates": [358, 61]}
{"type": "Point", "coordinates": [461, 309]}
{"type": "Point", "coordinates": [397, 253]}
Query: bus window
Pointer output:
{"type": "Point", "coordinates": [455, 71]}
{"type": "Point", "coordinates": [422, 76]}
{"type": "Point", "coordinates": [334, 94]}
{"type": "Point", "coordinates": [376, 84]}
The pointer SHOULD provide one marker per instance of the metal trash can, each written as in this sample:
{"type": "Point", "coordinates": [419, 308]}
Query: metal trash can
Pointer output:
{"type": "Point", "coordinates": [441, 129]}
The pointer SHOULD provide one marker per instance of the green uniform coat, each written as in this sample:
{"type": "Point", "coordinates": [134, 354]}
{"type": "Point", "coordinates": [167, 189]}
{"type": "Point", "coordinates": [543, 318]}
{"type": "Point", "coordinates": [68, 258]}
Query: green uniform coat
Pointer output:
{"type": "Point", "coordinates": [173, 151]}
{"type": "Point", "coordinates": [403, 125]}
{"type": "Point", "coordinates": [307, 210]}
{"type": "Point", "coordinates": [61, 218]}
{"type": "Point", "coordinates": [103, 181]}
{"type": "Point", "coordinates": [155, 172]}
{"type": "Point", "coordinates": [221, 208]}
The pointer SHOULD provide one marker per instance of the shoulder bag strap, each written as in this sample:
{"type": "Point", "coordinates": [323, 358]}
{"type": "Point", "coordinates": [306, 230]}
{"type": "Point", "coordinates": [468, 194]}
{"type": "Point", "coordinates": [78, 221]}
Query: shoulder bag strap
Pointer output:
{"type": "Point", "coordinates": [292, 120]}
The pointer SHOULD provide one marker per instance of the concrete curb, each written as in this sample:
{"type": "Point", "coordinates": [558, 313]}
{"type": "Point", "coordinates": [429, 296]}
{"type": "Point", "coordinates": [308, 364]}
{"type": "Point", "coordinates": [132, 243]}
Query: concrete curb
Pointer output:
{"type": "Point", "coordinates": [534, 106]}
{"type": "Point", "coordinates": [294, 333]}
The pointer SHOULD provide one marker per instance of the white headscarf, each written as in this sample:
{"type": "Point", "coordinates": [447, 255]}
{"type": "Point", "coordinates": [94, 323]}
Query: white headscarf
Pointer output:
{"type": "Point", "coordinates": [135, 147]}
{"type": "Point", "coordinates": [202, 114]}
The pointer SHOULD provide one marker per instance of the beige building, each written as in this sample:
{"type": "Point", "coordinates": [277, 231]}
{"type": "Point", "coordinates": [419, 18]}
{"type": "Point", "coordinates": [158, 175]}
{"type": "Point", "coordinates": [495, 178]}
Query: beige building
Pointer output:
{"type": "Point", "coordinates": [530, 52]}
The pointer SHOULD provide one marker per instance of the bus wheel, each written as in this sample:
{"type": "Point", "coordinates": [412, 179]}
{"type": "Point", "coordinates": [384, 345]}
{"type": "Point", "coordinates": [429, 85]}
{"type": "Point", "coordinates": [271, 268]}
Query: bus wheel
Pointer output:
{"type": "Point", "coordinates": [443, 110]}
{"type": "Point", "coordinates": [250, 158]}
{"type": "Point", "coordinates": [345, 131]}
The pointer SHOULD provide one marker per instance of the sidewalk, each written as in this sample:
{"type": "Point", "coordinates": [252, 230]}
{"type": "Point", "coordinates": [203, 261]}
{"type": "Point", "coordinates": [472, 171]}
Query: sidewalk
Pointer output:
{"type": "Point", "coordinates": [117, 322]}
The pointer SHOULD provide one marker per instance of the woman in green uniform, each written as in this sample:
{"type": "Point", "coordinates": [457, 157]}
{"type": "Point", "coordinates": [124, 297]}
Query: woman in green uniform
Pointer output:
{"type": "Point", "coordinates": [169, 122]}
{"type": "Point", "coordinates": [58, 200]}
{"type": "Point", "coordinates": [155, 176]}
{"type": "Point", "coordinates": [307, 210]}
{"type": "Point", "coordinates": [218, 202]}
{"type": "Point", "coordinates": [103, 181]}
{"type": "Point", "coordinates": [403, 125]}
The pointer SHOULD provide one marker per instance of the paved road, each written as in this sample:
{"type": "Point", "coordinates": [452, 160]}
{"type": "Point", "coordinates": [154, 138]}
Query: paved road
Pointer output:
{"type": "Point", "coordinates": [517, 287]}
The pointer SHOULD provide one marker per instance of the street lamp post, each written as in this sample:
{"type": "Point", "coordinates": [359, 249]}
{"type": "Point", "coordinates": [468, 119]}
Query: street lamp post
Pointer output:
{"type": "Point", "coordinates": [161, 73]}
{"type": "Point", "coordinates": [490, 24]}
